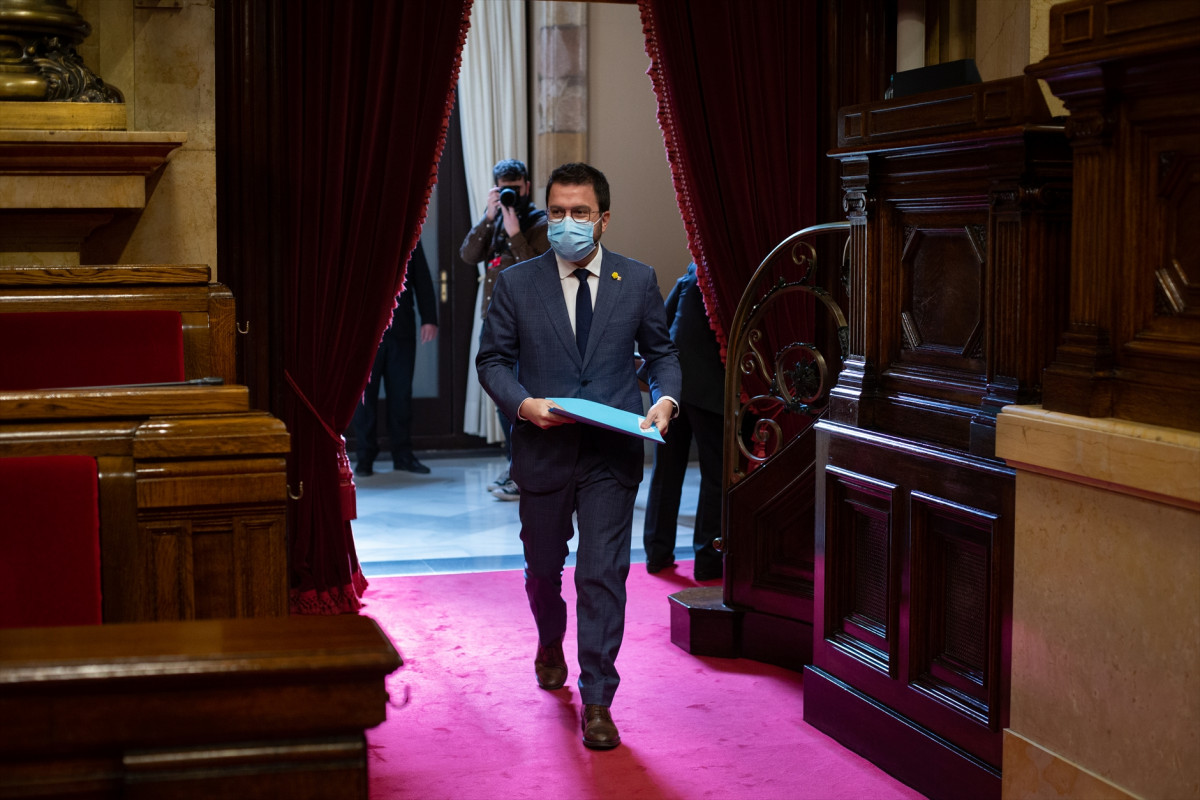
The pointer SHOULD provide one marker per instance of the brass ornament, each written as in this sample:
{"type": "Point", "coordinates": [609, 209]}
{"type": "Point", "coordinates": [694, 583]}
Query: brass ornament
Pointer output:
{"type": "Point", "coordinates": [38, 57]}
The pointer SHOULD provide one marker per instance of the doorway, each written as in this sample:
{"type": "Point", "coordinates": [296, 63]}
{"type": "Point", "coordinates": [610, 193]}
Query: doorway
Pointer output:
{"type": "Point", "coordinates": [440, 380]}
{"type": "Point", "coordinates": [623, 140]}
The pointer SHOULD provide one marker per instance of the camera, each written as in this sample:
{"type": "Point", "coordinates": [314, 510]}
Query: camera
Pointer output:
{"type": "Point", "coordinates": [508, 197]}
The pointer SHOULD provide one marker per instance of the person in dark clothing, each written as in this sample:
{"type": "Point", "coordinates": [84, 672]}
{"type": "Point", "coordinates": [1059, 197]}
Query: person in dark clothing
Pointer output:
{"type": "Point", "coordinates": [506, 233]}
{"type": "Point", "coordinates": [394, 364]}
{"type": "Point", "coordinates": [512, 229]}
{"type": "Point", "coordinates": [701, 417]}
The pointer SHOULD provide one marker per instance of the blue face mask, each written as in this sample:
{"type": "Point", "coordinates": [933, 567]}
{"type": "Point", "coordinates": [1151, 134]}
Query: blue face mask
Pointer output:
{"type": "Point", "coordinates": [570, 239]}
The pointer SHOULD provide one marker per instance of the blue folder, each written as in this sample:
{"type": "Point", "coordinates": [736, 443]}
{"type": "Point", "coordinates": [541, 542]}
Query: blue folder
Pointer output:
{"type": "Point", "coordinates": [603, 416]}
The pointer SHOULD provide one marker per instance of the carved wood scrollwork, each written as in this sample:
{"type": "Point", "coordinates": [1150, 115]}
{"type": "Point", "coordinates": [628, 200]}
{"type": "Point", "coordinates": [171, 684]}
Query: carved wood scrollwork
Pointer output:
{"type": "Point", "coordinates": [1002, 199]}
{"type": "Point", "coordinates": [769, 384]}
{"type": "Point", "coordinates": [943, 270]}
{"type": "Point", "coordinates": [1177, 279]}
{"type": "Point", "coordinates": [1045, 196]}
{"type": "Point", "coordinates": [1030, 197]}
{"type": "Point", "coordinates": [1089, 126]}
{"type": "Point", "coordinates": [978, 234]}
{"type": "Point", "coordinates": [1168, 299]}
{"type": "Point", "coordinates": [911, 336]}
{"type": "Point", "coordinates": [854, 203]}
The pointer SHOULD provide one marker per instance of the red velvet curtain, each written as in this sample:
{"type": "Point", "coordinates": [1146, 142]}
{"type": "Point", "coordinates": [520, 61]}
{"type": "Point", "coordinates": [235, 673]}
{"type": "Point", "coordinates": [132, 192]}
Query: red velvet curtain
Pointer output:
{"type": "Point", "coordinates": [367, 122]}
{"type": "Point", "coordinates": [737, 103]}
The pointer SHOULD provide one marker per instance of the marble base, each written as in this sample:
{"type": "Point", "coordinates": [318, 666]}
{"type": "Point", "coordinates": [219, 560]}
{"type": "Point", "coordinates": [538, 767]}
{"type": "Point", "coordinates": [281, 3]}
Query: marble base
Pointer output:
{"type": "Point", "coordinates": [1106, 606]}
{"type": "Point", "coordinates": [1032, 772]}
{"type": "Point", "coordinates": [1150, 461]}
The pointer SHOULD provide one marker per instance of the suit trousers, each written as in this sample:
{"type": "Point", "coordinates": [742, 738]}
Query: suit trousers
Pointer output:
{"type": "Point", "coordinates": [666, 484]}
{"type": "Point", "coordinates": [603, 507]}
{"type": "Point", "coordinates": [394, 365]}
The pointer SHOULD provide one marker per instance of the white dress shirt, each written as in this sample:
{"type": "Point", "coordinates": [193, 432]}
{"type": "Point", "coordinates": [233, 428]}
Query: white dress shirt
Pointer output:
{"type": "Point", "coordinates": [570, 284]}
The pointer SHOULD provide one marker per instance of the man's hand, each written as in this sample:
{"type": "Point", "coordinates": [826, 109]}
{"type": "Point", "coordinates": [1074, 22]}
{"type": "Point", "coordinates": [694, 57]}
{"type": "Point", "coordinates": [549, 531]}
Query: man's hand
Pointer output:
{"type": "Point", "coordinates": [537, 411]}
{"type": "Point", "coordinates": [428, 333]}
{"type": "Point", "coordinates": [659, 415]}
{"type": "Point", "coordinates": [493, 203]}
{"type": "Point", "coordinates": [512, 223]}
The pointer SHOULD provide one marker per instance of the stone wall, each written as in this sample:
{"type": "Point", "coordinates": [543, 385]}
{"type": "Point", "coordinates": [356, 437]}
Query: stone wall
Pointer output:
{"type": "Point", "coordinates": [161, 56]}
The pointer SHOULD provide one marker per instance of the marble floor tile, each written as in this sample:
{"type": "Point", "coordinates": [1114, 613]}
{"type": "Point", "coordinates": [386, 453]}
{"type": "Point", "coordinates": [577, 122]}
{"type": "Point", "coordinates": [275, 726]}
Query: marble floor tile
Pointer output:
{"type": "Point", "coordinates": [447, 521]}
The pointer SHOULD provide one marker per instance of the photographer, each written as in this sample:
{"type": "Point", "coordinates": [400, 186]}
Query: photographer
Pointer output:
{"type": "Point", "coordinates": [519, 235]}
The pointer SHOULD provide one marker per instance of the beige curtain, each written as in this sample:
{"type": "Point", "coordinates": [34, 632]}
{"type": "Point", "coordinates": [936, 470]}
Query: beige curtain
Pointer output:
{"type": "Point", "coordinates": [493, 109]}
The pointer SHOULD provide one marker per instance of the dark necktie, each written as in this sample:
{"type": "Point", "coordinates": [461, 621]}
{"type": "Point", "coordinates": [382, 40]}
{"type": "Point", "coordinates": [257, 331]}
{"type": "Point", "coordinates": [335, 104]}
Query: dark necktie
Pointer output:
{"type": "Point", "coordinates": [583, 311]}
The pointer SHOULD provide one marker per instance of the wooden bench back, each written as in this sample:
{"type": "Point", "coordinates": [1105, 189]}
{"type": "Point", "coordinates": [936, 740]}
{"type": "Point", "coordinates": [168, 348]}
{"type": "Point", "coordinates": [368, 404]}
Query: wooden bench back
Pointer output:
{"type": "Point", "coordinates": [192, 492]}
{"type": "Point", "coordinates": [206, 308]}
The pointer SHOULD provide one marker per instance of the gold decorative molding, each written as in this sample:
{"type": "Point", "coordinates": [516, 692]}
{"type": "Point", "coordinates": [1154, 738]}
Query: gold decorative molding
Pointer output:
{"type": "Point", "coordinates": [27, 116]}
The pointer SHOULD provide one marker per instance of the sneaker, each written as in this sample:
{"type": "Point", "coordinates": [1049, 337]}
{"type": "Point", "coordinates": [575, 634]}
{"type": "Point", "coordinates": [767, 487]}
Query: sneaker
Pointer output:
{"type": "Point", "coordinates": [508, 491]}
{"type": "Point", "coordinates": [500, 482]}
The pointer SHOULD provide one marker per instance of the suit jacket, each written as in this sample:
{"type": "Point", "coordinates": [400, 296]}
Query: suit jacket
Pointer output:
{"type": "Point", "coordinates": [419, 285]}
{"type": "Point", "coordinates": [527, 327]}
{"type": "Point", "coordinates": [699, 353]}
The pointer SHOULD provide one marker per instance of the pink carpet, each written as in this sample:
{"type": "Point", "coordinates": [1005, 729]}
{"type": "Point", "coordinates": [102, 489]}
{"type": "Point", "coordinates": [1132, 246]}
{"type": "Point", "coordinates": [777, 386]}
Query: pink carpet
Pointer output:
{"type": "Point", "coordinates": [467, 720]}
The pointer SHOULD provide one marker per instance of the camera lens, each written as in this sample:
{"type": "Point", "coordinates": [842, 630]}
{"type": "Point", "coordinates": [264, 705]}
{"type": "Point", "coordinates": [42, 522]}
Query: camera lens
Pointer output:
{"type": "Point", "coordinates": [508, 196]}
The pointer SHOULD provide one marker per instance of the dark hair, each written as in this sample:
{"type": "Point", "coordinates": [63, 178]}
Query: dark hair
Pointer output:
{"type": "Point", "coordinates": [510, 169]}
{"type": "Point", "coordinates": [577, 174]}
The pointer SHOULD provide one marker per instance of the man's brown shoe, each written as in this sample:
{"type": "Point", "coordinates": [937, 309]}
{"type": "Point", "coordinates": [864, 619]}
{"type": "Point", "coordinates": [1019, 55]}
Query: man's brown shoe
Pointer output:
{"type": "Point", "coordinates": [599, 731]}
{"type": "Point", "coordinates": [550, 666]}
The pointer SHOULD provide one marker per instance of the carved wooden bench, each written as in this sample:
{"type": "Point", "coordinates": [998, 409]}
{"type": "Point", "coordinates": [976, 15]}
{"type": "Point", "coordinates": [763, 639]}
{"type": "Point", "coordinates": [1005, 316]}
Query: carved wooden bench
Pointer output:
{"type": "Point", "coordinates": [91, 297]}
{"type": "Point", "coordinates": [191, 491]}
{"type": "Point", "coordinates": [191, 482]}
{"type": "Point", "coordinates": [220, 708]}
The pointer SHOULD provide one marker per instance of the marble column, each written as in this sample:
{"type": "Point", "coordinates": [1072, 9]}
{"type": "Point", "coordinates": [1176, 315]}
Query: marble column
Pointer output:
{"type": "Point", "coordinates": [561, 109]}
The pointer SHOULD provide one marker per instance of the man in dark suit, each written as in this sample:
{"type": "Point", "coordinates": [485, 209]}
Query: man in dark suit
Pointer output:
{"type": "Point", "coordinates": [394, 364]}
{"type": "Point", "coordinates": [570, 322]}
{"type": "Point", "coordinates": [701, 417]}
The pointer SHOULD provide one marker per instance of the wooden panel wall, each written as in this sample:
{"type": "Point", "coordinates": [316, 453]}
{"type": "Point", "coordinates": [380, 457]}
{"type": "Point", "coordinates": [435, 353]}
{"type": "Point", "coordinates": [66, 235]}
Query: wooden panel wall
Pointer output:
{"type": "Point", "coordinates": [1130, 75]}
{"type": "Point", "coordinates": [959, 206]}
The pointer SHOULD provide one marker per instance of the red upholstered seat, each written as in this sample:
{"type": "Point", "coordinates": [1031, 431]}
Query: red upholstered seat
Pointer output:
{"type": "Point", "coordinates": [49, 541]}
{"type": "Point", "coordinates": [59, 349]}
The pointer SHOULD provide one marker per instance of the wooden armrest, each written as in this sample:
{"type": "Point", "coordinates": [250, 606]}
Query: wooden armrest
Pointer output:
{"type": "Point", "coordinates": [213, 708]}
{"type": "Point", "coordinates": [59, 404]}
{"type": "Point", "coordinates": [28, 275]}
{"type": "Point", "coordinates": [124, 682]}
